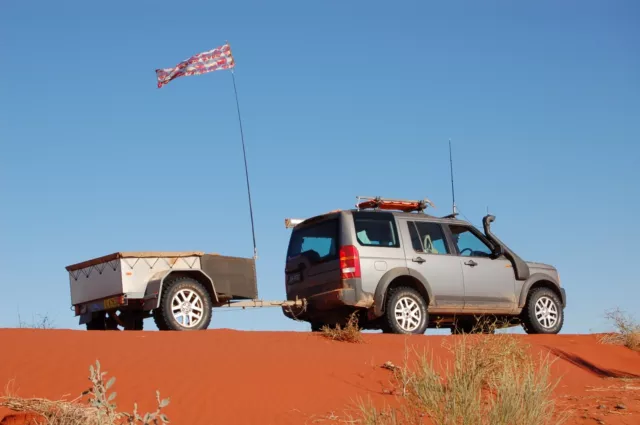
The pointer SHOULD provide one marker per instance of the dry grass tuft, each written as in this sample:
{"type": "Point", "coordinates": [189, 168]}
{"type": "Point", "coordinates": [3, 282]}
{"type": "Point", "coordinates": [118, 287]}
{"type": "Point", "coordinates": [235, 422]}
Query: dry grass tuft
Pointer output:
{"type": "Point", "coordinates": [52, 412]}
{"type": "Point", "coordinates": [350, 333]}
{"type": "Point", "coordinates": [627, 331]}
{"type": "Point", "coordinates": [95, 406]}
{"type": "Point", "coordinates": [492, 380]}
{"type": "Point", "coordinates": [368, 414]}
{"type": "Point", "coordinates": [523, 394]}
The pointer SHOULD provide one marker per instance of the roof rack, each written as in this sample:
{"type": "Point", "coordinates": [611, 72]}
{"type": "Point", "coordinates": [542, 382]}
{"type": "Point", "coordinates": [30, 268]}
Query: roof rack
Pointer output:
{"type": "Point", "coordinates": [378, 203]}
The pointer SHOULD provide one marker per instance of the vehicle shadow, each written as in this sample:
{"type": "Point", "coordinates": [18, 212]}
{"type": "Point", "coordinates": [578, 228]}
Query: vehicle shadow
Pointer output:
{"type": "Point", "coordinates": [590, 367]}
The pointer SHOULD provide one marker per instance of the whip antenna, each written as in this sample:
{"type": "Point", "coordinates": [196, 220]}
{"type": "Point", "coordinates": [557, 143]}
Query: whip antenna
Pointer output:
{"type": "Point", "coordinates": [453, 193]}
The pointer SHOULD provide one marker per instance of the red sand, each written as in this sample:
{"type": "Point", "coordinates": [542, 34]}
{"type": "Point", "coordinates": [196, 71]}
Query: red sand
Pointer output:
{"type": "Point", "coordinates": [233, 377]}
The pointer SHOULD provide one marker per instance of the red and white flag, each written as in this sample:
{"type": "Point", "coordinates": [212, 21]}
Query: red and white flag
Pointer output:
{"type": "Point", "coordinates": [217, 59]}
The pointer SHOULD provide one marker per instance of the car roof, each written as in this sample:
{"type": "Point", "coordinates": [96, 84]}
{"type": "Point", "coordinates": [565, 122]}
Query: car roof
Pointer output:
{"type": "Point", "coordinates": [416, 215]}
{"type": "Point", "coordinates": [400, 214]}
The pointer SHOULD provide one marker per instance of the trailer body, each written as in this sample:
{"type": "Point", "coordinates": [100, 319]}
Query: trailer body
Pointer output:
{"type": "Point", "coordinates": [134, 280]}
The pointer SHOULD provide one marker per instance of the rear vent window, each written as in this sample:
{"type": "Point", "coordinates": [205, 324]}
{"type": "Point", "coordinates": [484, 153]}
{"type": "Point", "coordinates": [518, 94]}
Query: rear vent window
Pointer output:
{"type": "Point", "coordinates": [376, 229]}
{"type": "Point", "coordinates": [318, 242]}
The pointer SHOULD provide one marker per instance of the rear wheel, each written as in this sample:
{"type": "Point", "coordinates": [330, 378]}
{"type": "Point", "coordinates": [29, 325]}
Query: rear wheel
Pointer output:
{"type": "Point", "coordinates": [185, 305]}
{"type": "Point", "coordinates": [405, 312]}
{"type": "Point", "coordinates": [543, 313]}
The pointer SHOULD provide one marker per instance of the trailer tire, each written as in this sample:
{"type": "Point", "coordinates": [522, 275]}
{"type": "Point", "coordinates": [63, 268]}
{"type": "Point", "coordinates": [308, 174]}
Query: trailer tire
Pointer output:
{"type": "Point", "coordinates": [100, 322]}
{"type": "Point", "coordinates": [96, 325]}
{"type": "Point", "coordinates": [190, 299]}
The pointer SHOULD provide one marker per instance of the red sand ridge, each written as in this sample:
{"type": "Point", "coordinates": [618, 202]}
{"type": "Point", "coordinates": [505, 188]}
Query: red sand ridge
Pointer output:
{"type": "Point", "coordinates": [232, 377]}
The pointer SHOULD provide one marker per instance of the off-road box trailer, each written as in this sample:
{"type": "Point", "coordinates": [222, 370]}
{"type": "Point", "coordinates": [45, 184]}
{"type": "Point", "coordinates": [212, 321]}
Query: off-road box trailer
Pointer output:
{"type": "Point", "coordinates": [177, 289]}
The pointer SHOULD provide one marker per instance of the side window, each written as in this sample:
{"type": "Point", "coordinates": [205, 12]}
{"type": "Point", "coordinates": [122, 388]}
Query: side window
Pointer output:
{"type": "Point", "coordinates": [428, 238]}
{"type": "Point", "coordinates": [376, 231]}
{"type": "Point", "coordinates": [469, 245]}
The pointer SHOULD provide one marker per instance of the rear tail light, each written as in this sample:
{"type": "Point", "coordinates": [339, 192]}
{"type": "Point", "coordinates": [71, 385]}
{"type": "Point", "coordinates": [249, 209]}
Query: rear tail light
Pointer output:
{"type": "Point", "coordinates": [349, 262]}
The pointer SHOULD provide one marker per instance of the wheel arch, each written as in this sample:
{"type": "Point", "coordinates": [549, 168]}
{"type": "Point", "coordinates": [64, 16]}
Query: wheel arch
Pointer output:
{"type": "Point", "coordinates": [540, 280]}
{"type": "Point", "coordinates": [155, 285]}
{"type": "Point", "coordinates": [400, 277]}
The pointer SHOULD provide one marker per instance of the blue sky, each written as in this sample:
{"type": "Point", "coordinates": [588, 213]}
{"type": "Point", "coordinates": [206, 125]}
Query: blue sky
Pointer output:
{"type": "Point", "coordinates": [541, 101]}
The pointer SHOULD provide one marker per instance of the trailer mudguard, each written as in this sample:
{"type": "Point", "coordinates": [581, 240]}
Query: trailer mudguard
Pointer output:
{"type": "Point", "coordinates": [156, 282]}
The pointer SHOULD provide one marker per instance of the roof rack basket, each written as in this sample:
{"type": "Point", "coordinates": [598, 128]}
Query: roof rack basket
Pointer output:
{"type": "Point", "coordinates": [378, 203]}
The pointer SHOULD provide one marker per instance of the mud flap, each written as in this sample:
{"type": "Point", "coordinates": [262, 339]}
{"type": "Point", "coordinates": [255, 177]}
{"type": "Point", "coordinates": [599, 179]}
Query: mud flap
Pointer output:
{"type": "Point", "coordinates": [85, 318]}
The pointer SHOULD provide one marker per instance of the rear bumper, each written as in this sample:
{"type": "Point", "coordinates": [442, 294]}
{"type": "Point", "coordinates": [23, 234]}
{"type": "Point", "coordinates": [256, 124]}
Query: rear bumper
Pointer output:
{"type": "Point", "coordinates": [322, 305]}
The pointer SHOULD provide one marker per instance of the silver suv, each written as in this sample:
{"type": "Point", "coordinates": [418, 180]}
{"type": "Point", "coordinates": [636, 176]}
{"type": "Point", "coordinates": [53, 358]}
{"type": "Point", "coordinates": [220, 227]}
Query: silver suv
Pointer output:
{"type": "Point", "coordinates": [406, 271]}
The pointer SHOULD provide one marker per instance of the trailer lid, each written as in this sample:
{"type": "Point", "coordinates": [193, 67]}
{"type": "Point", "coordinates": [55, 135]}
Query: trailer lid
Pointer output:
{"type": "Point", "coordinates": [140, 254]}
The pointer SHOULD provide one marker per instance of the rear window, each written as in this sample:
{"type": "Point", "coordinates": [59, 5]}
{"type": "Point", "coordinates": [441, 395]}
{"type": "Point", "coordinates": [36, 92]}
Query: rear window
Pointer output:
{"type": "Point", "coordinates": [377, 229]}
{"type": "Point", "coordinates": [318, 242]}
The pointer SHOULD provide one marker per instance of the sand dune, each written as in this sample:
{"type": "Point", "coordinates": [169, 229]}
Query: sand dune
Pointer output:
{"type": "Point", "coordinates": [235, 377]}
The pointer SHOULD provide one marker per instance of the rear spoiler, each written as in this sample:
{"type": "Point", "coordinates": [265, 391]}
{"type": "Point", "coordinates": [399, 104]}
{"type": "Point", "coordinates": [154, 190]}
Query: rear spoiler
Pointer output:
{"type": "Point", "coordinates": [290, 223]}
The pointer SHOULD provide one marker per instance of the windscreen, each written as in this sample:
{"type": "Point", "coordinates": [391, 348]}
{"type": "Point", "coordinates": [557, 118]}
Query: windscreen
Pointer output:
{"type": "Point", "coordinates": [318, 242]}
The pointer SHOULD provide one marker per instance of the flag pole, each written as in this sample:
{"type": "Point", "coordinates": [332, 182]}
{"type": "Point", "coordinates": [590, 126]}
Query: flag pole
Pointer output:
{"type": "Point", "coordinates": [246, 172]}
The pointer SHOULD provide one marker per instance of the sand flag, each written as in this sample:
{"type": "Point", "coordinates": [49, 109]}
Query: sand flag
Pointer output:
{"type": "Point", "coordinates": [214, 60]}
{"type": "Point", "coordinates": [217, 59]}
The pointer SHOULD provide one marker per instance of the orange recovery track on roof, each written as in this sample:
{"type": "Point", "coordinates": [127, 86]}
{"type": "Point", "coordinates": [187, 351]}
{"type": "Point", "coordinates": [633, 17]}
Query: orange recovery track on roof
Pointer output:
{"type": "Point", "coordinates": [393, 204]}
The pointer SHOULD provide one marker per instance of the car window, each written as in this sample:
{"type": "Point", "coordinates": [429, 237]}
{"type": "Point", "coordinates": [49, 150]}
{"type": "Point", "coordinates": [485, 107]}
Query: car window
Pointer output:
{"type": "Point", "coordinates": [428, 238]}
{"type": "Point", "coordinates": [316, 242]}
{"type": "Point", "coordinates": [469, 245]}
{"type": "Point", "coordinates": [376, 230]}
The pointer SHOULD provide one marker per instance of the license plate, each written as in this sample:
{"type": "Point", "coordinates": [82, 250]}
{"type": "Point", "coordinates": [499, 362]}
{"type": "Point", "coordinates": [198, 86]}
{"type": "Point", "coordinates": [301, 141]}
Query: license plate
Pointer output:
{"type": "Point", "coordinates": [294, 278]}
{"type": "Point", "coordinates": [110, 303]}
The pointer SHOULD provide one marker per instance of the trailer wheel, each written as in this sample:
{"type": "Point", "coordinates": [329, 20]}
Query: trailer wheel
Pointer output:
{"type": "Point", "coordinates": [100, 322]}
{"type": "Point", "coordinates": [131, 321]}
{"type": "Point", "coordinates": [185, 305]}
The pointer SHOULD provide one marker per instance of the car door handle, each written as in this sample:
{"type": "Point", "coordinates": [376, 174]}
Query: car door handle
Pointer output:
{"type": "Point", "coordinates": [471, 263]}
{"type": "Point", "coordinates": [418, 260]}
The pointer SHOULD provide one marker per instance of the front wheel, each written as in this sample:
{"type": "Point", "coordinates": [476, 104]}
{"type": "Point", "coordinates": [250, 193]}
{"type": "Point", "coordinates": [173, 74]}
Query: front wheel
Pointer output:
{"type": "Point", "coordinates": [543, 313]}
{"type": "Point", "coordinates": [406, 312]}
{"type": "Point", "coordinates": [185, 305]}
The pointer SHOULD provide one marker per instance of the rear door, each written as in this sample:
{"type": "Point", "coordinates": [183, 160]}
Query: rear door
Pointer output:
{"type": "Point", "coordinates": [313, 265]}
{"type": "Point", "coordinates": [378, 243]}
{"type": "Point", "coordinates": [429, 255]}
{"type": "Point", "coordinates": [489, 282]}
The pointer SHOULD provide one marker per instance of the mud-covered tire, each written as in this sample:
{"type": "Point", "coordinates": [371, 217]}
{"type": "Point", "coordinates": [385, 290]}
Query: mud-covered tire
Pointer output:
{"type": "Point", "coordinates": [541, 305]}
{"type": "Point", "coordinates": [163, 315]}
{"type": "Point", "coordinates": [405, 298]}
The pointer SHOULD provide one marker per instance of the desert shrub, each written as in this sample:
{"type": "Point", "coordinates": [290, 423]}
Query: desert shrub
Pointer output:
{"type": "Point", "coordinates": [42, 322]}
{"type": "Point", "coordinates": [523, 394]}
{"type": "Point", "coordinates": [491, 381]}
{"type": "Point", "coordinates": [627, 330]}
{"type": "Point", "coordinates": [350, 332]}
{"type": "Point", "coordinates": [96, 406]}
